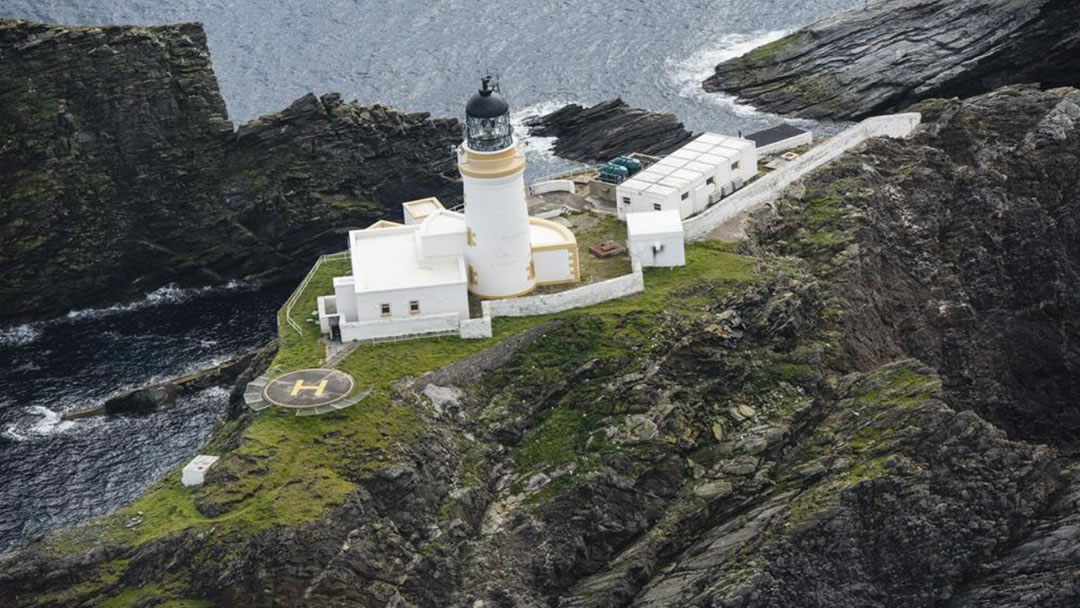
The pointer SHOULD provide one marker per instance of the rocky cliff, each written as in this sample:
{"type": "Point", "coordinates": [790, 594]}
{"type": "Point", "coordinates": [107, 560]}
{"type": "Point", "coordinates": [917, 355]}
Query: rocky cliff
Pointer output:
{"type": "Point", "coordinates": [610, 128]}
{"type": "Point", "coordinates": [121, 171]}
{"type": "Point", "coordinates": [884, 57]}
{"type": "Point", "coordinates": [873, 403]}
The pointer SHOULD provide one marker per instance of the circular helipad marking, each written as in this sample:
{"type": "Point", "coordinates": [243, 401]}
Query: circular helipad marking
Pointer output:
{"type": "Point", "coordinates": [308, 388]}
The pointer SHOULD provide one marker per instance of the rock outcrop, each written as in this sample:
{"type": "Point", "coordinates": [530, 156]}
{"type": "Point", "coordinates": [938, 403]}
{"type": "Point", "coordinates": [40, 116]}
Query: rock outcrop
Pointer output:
{"type": "Point", "coordinates": [610, 128]}
{"type": "Point", "coordinates": [122, 173]}
{"type": "Point", "coordinates": [881, 414]}
{"type": "Point", "coordinates": [885, 57]}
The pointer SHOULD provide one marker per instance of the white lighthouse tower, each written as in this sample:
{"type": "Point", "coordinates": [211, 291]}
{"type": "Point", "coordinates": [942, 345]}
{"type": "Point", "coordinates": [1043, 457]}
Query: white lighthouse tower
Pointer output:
{"type": "Point", "coordinates": [499, 252]}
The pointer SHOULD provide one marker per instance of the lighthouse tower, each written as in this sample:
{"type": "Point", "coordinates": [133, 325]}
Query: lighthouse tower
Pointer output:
{"type": "Point", "coordinates": [492, 166]}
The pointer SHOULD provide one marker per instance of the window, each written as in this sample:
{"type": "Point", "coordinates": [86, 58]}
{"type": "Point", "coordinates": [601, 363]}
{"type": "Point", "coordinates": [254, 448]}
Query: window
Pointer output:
{"type": "Point", "coordinates": [735, 166]}
{"type": "Point", "coordinates": [530, 271]}
{"type": "Point", "coordinates": [472, 275]}
{"type": "Point", "coordinates": [470, 237]}
{"type": "Point", "coordinates": [626, 200]}
{"type": "Point", "coordinates": [685, 195]}
{"type": "Point", "coordinates": [414, 307]}
{"type": "Point", "coordinates": [657, 207]}
{"type": "Point", "coordinates": [385, 309]}
{"type": "Point", "coordinates": [710, 180]}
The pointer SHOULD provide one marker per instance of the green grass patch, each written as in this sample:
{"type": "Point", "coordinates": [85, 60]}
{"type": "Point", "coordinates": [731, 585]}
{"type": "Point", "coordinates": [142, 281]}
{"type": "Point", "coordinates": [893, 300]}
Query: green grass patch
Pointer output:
{"type": "Point", "coordinates": [302, 350]}
{"type": "Point", "coordinates": [286, 470]}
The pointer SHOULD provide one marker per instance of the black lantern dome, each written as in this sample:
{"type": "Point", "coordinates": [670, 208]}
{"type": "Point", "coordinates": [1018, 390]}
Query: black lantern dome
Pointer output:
{"type": "Point", "coordinates": [487, 119]}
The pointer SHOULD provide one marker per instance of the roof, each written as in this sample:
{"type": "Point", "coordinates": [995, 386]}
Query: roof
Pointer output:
{"type": "Point", "coordinates": [384, 224]}
{"type": "Point", "coordinates": [486, 103]}
{"type": "Point", "coordinates": [653, 223]}
{"type": "Point", "coordinates": [775, 134]}
{"type": "Point", "coordinates": [546, 233]}
{"type": "Point", "coordinates": [422, 207]}
{"type": "Point", "coordinates": [443, 222]}
{"type": "Point", "coordinates": [694, 161]}
{"type": "Point", "coordinates": [389, 258]}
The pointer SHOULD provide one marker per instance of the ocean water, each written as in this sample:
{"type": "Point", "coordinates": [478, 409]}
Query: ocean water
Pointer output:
{"type": "Point", "coordinates": [427, 55]}
{"type": "Point", "coordinates": [58, 472]}
{"type": "Point", "coordinates": [419, 55]}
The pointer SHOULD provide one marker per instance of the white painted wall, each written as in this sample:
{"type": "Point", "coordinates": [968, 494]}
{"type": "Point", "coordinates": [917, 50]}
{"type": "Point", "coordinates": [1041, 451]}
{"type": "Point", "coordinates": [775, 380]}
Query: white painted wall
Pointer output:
{"type": "Point", "coordinates": [770, 187]}
{"type": "Point", "coordinates": [787, 144]}
{"type": "Point", "coordinates": [496, 212]}
{"type": "Point", "coordinates": [475, 329]}
{"type": "Point", "coordinates": [433, 245]}
{"type": "Point", "coordinates": [553, 265]}
{"type": "Point", "coordinates": [434, 300]}
{"type": "Point", "coordinates": [390, 328]}
{"type": "Point", "coordinates": [195, 471]}
{"type": "Point", "coordinates": [345, 298]}
{"type": "Point", "coordinates": [327, 305]}
{"type": "Point", "coordinates": [586, 295]}
{"type": "Point", "coordinates": [555, 185]}
{"type": "Point", "coordinates": [671, 251]}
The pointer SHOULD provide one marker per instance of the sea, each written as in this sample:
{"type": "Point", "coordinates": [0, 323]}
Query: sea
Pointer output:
{"type": "Point", "coordinates": [418, 55]}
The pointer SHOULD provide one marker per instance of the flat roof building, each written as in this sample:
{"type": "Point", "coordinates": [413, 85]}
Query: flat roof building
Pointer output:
{"type": "Point", "coordinates": [691, 178]}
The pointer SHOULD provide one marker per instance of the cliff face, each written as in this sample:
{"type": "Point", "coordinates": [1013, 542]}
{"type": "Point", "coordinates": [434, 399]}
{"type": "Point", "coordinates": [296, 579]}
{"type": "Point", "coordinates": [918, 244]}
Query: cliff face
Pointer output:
{"type": "Point", "coordinates": [817, 422]}
{"type": "Point", "coordinates": [610, 128]}
{"type": "Point", "coordinates": [121, 171]}
{"type": "Point", "coordinates": [894, 53]}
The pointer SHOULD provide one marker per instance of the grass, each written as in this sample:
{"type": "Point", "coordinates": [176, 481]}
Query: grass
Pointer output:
{"type": "Point", "coordinates": [301, 350]}
{"type": "Point", "coordinates": [280, 470]}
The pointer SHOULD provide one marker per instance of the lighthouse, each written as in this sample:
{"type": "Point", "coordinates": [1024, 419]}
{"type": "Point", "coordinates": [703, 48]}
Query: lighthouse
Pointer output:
{"type": "Point", "coordinates": [498, 251]}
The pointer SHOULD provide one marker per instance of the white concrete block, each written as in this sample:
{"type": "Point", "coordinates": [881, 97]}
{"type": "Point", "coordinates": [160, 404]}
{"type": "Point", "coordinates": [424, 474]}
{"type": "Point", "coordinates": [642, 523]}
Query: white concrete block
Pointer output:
{"type": "Point", "coordinates": [195, 471]}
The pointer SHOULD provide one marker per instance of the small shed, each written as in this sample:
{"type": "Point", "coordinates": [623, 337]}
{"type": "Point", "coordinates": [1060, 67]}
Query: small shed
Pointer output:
{"type": "Point", "coordinates": [655, 238]}
{"type": "Point", "coordinates": [195, 471]}
{"type": "Point", "coordinates": [780, 138]}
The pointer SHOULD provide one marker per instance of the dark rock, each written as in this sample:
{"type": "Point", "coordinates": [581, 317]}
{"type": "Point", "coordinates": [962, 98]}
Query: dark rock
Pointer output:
{"type": "Point", "coordinates": [111, 190]}
{"type": "Point", "coordinates": [609, 129]}
{"type": "Point", "coordinates": [885, 57]}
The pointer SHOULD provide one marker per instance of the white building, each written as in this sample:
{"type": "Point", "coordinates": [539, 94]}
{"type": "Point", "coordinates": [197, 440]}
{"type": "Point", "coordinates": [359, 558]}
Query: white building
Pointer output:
{"type": "Point", "coordinates": [655, 238]}
{"type": "Point", "coordinates": [414, 278]}
{"type": "Point", "coordinates": [691, 178]}
{"type": "Point", "coordinates": [194, 473]}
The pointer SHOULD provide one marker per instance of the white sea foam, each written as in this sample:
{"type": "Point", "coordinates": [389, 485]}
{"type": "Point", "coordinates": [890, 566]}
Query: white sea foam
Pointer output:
{"type": "Point", "coordinates": [169, 294]}
{"type": "Point", "coordinates": [538, 147]}
{"type": "Point", "coordinates": [19, 334]}
{"type": "Point", "coordinates": [688, 73]}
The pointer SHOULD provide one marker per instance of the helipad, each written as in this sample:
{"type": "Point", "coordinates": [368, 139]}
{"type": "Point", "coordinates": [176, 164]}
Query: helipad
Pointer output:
{"type": "Point", "coordinates": [308, 388]}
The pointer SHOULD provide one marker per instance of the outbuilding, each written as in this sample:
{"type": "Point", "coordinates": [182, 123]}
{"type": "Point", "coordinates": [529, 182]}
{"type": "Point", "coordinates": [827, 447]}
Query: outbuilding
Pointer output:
{"type": "Point", "coordinates": [691, 178]}
{"type": "Point", "coordinates": [655, 238]}
{"type": "Point", "coordinates": [195, 471]}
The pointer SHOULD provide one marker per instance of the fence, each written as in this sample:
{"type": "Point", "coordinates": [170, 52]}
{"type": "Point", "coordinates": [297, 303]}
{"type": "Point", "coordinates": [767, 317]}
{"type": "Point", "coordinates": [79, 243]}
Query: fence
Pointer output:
{"type": "Point", "coordinates": [768, 188]}
{"type": "Point", "coordinates": [341, 255]}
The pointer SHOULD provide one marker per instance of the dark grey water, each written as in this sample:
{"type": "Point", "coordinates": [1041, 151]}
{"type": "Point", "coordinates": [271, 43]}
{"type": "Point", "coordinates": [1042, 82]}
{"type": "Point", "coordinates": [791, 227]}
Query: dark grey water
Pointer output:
{"type": "Point", "coordinates": [420, 55]}
{"type": "Point", "coordinates": [426, 55]}
{"type": "Point", "coordinates": [59, 472]}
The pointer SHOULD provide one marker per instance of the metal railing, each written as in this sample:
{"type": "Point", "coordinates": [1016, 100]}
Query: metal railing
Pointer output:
{"type": "Point", "coordinates": [341, 255]}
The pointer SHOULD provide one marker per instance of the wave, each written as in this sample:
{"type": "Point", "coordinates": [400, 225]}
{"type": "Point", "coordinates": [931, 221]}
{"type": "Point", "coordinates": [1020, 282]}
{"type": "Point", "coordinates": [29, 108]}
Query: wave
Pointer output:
{"type": "Point", "coordinates": [540, 147]}
{"type": "Point", "coordinates": [688, 73]}
{"type": "Point", "coordinates": [19, 335]}
{"type": "Point", "coordinates": [169, 294]}
{"type": "Point", "coordinates": [48, 422]}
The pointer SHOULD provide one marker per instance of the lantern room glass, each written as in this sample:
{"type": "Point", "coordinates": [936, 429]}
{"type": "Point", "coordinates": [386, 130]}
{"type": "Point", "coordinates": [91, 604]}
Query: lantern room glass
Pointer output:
{"type": "Point", "coordinates": [489, 134]}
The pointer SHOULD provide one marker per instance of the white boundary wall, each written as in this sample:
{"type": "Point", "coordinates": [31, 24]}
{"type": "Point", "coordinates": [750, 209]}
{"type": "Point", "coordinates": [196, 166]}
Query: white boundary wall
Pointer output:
{"type": "Point", "coordinates": [586, 295]}
{"type": "Point", "coordinates": [399, 327]}
{"type": "Point", "coordinates": [768, 188]}
{"type": "Point", "coordinates": [786, 144]}
{"type": "Point", "coordinates": [555, 185]}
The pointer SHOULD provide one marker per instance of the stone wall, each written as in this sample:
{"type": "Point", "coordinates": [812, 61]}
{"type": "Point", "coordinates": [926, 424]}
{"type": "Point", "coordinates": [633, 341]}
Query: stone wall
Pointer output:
{"type": "Point", "coordinates": [528, 306]}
